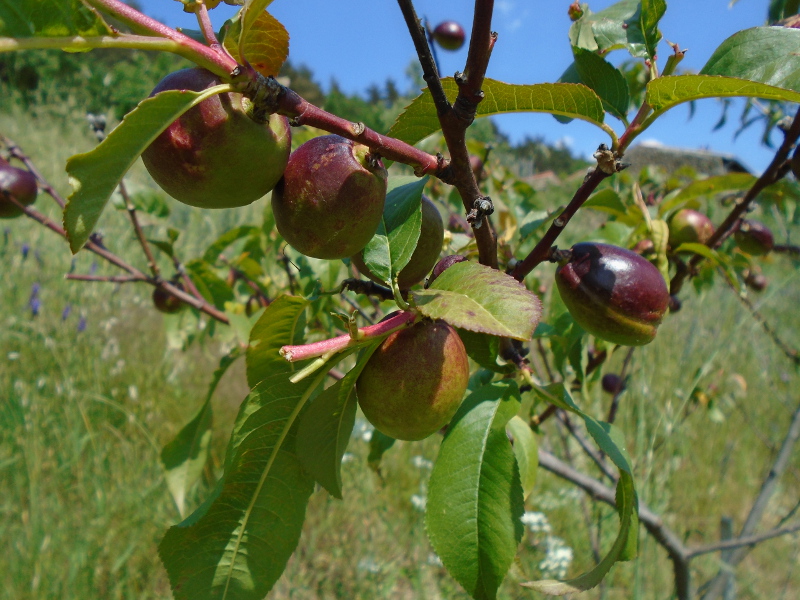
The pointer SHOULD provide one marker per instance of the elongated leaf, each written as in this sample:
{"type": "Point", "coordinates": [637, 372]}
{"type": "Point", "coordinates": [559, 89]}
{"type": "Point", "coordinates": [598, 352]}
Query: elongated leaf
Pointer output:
{"type": "Point", "coordinates": [186, 455]}
{"type": "Point", "coordinates": [769, 55]}
{"type": "Point", "coordinates": [49, 18]}
{"type": "Point", "coordinates": [631, 24]}
{"type": "Point", "coordinates": [606, 80]}
{"type": "Point", "coordinates": [702, 250]}
{"type": "Point", "coordinates": [96, 174]}
{"type": "Point", "coordinates": [481, 299]}
{"type": "Point", "coordinates": [379, 444]}
{"type": "Point", "coordinates": [474, 496]}
{"type": "Point", "coordinates": [612, 443]}
{"type": "Point", "coordinates": [484, 350]}
{"type": "Point", "coordinates": [526, 451]}
{"type": "Point", "coordinates": [235, 546]}
{"type": "Point", "coordinates": [664, 93]}
{"type": "Point", "coordinates": [282, 320]}
{"type": "Point", "coordinates": [326, 426]}
{"type": "Point", "coordinates": [265, 44]}
{"type": "Point", "coordinates": [226, 239]}
{"type": "Point", "coordinates": [209, 284]}
{"type": "Point", "coordinates": [707, 187]}
{"type": "Point", "coordinates": [575, 101]}
{"type": "Point", "coordinates": [394, 242]}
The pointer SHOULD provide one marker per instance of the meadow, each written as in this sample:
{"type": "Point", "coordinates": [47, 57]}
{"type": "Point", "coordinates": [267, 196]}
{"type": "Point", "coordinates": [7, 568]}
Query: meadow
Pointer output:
{"type": "Point", "coordinates": [93, 386]}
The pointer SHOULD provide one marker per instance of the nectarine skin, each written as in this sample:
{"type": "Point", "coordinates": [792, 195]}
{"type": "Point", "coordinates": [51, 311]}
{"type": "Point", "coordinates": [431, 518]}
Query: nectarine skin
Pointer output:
{"type": "Point", "coordinates": [19, 183]}
{"type": "Point", "coordinates": [215, 155]}
{"type": "Point", "coordinates": [613, 293]}
{"type": "Point", "coordinates": [414, 382]}
{"type": "Point", "coordinates": [330, 200]}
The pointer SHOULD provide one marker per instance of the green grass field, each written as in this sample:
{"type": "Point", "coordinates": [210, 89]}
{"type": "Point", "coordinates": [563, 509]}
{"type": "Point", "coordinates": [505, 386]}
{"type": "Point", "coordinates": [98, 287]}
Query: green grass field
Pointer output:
{"type": "Point", "coordinates": [84, 414]}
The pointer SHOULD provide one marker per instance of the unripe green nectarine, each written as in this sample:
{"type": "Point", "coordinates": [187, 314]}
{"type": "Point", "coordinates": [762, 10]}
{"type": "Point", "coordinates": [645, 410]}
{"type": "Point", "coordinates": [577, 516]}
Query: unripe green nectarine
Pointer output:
{"type": "Point", "coordinates": [414, 382]}
{"type": "Point", "coordinates": [689, 226]}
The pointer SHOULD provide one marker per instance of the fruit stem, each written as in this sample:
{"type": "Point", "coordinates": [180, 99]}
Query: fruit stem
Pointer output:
{"type": "Point", "coordinates": [329, 347]}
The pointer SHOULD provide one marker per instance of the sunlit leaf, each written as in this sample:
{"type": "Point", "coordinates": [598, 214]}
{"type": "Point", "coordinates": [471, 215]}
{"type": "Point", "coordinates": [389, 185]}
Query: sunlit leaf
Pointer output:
{"type": "Point", "coordinates": [236, 545]}
{"type": "Point", "coordinates": [664, 93]}
{"type": "Point", "coordinates": [475, 499]}
{"type": "Point", "coordinates": [631, 24]}
{"type": "Point", "coordinates": [768, 55]}
{"type": "Point", "coordinates": [571, 100]}
{"type": "Point", "coordinates": [481, 299]}
{"type": "Point", "coordinates": [95, 175]}
{"type": "Point", "coordinates": [526, 451]}
{"type": "Point", "coordinates": [265, 44]}
{"type": "Point", "coordinates": [394, 242]}
{"type": "Point", "coordinates": [49, 18]}
{"type": "Point", "coordinates": [325, 428]}
{"type": "Point", "coordinates": [612, 443]}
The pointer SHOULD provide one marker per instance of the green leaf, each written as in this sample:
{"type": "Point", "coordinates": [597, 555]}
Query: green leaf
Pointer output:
{"type": "Point", "coordinates": [571, 100]}
{"type": "Point", "coordinates": [209, 284]}
{"type": "Point", "coordinates": [484, 349]}
{"type": "Point", "coordinates": [481, 299]}
{"type": "Point", "coordinates": [707, 187]}
{"type": "Point", "coordinates": [326, 426]}
{"type": "Point", "coordinates": [95, 175]}
{"type": "Point", "coordinates": [186, 455]}
{"type": "Point", "coordinates": [526, 451]}
{"type": "Point", "coordinates": [236, 545]}
{"type": "Point", "coordinates": [265, 44]}
{"type": "Point", "coordinates": [700, 249]}
{"type": "Point", "coordinates": [226, 239]}
{"type": "Point", "coordinates": [379, 443]}
{"type": "Point", "coordinates": [630, 24]}
{"type": "Point", "coordinates": [475, 498]}
{"type": "Point", "coordinates": [612, 443]}
{"type": "Point", "coordinates": [282, 321]}
{"type": "Point", "coordinates": [394, 242]}
{"type": "Point", "coordinates": [664, 93]}
{"type": "Point", "coordinates": [49, 18]}
{"type": "Point", "coordinates": [606, 80]}
{"type": "Point", "coordinates": [659, 234]}
{"type": "Point", "coordinates": [768, 55]}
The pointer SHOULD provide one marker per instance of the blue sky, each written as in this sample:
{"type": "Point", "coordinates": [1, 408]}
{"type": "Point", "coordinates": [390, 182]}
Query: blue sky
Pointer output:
{"type": "Point", "coordinates": [359, 42]}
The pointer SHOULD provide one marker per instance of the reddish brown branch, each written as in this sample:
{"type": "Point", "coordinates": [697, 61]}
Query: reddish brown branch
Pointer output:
{"type": "Point", "coordinates": [541, 251]}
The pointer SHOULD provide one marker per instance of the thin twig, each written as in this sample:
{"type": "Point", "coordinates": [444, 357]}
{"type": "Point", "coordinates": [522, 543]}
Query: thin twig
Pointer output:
{"type": "Point", "coordinates": [137, 227]}
{"type": "Point", "coordinates": [103, 278]}
{"type": "Point", "coordinates": [750, 540]}
{"type": "Point", "coordinates": [612, 411]}
{"type": "Point", "coordinates": [541, 251]}
{"type": "Point", "coordinates": [776, 170]}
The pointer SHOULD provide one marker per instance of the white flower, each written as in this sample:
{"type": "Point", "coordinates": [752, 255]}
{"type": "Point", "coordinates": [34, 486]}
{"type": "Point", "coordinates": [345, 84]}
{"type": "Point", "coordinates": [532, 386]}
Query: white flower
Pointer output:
{"type": "Point", "coordinates": [536, 521]}
{"type": "Point", "coordinates": [419, 502]}
{"type": "Point", "coordinates": [558, 557]}
{"type": "Point", "coordinates": [421, 462]}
